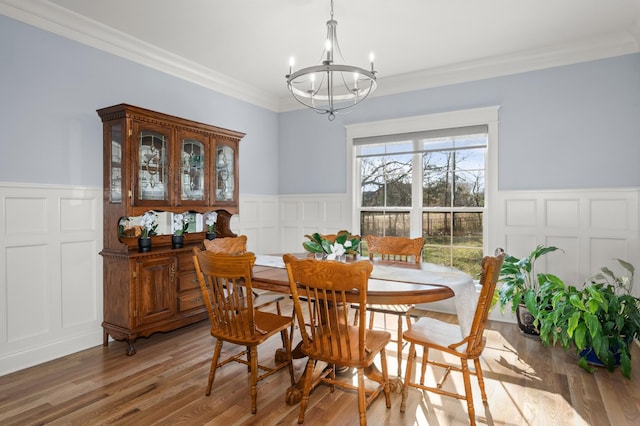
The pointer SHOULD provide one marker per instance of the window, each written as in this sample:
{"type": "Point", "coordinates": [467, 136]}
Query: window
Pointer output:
{"type": "Point", "coordinates": [429, 183]}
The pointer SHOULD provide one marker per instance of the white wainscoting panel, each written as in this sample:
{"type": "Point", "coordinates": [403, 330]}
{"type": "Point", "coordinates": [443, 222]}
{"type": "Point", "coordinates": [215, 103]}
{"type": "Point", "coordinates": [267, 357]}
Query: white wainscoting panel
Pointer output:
{"type": "Point", "coordinates": [51, 288]}
{"type": "Point", "coordinates": [305, 214]}
{"type": "Point", "coordinates": [258, 220]}
{"type": "Point", "coordinates": [50, 236]}
{"type": "Point", "coordinates": [592, 227]}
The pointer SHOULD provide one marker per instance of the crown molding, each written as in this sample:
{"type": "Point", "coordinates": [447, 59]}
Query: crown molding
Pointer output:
{"type": "Point", "coordinates": [58, 20]}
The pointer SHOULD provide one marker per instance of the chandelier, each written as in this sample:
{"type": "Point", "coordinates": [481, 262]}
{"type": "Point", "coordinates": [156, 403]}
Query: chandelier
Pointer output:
{"type": "Point", "coordinates": [331, 87]}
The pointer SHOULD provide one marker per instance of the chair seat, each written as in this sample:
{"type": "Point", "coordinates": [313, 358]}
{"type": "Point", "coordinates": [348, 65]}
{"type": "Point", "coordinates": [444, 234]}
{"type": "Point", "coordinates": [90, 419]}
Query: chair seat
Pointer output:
{"type": "Point", "coordinates": [266, 325]}
{"type": "Point", "coordinates": [433, 332]}
{"type": "Point", "coordinates": [376, 341]}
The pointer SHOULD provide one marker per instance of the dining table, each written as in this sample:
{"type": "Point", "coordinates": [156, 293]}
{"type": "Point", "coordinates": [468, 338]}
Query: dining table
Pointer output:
{"type": "Point", "coordinates": [391, 282]}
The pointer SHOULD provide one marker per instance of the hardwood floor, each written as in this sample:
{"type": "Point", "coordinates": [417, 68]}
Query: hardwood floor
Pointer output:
{"type": "Point", "coordinates": [165, 382]}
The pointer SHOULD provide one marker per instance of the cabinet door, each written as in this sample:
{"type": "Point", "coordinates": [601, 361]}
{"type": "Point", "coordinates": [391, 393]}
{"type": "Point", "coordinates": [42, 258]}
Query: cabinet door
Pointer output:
{"type": "Point", "coordinates": [155, 291]}
{"type": "Point", "coordinates": [152, 185]}
{"type": "Point", "coordinates": [193, 168]}
{"type": "Point", "coordinates": [226, 182]}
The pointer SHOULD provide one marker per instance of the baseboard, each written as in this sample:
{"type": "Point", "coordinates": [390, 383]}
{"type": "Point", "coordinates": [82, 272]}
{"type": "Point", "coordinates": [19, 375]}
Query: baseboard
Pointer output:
{"type": "Point", "coordinates": [38, 355]}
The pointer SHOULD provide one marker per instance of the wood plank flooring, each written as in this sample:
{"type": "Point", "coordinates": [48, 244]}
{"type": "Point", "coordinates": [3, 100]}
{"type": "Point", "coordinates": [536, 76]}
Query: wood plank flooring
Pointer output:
{"type": "Point", "coordinates": [164, 384]}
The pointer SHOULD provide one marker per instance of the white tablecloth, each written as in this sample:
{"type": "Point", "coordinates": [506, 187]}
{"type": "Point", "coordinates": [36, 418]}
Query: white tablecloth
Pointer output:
{"type": "Point", "coordinates": [462, 284]}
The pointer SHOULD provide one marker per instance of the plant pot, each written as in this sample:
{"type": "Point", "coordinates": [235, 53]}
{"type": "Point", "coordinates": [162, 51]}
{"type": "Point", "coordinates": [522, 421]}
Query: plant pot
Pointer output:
{"type": "Point", "coordinates": [593, 359]}
{"type": "Point", "coordinates": [177, 241]}
{"type": "Point", "coordinates": [525, 321]}
{"type": "Point", "coordinates": [210, 236]}
{"type": "Point", "coordinates": [144, 245]}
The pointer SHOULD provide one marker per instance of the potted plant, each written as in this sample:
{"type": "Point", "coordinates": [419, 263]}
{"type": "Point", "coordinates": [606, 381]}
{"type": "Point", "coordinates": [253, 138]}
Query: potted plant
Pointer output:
{"type": "Point", "coordinates": [179, 226]}
{"type": "Point", "coordinates": [148, 227]}
{"type": "Point", "coordinates": [601, 320]}
{"type": "Point", "coordinates": [521, 287]}
{"type": "Point", "coordinates": [210, 220]}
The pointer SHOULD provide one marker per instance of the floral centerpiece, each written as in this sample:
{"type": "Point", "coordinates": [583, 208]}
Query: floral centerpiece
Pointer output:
{"type": "Point", "coordinates": [332, 246]}
{"type": "Point", "coordinates": [148, 224]}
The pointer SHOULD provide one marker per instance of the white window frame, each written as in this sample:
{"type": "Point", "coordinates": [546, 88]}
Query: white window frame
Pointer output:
{"type": "Point", "coordinates": [462, 118]}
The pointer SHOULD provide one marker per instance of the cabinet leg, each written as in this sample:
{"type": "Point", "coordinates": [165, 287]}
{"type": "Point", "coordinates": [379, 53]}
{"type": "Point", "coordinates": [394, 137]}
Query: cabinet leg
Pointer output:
{"type": "Point", "coordinates": [132, 349]}
{"type": "Point", "coordinates": [105, 338]}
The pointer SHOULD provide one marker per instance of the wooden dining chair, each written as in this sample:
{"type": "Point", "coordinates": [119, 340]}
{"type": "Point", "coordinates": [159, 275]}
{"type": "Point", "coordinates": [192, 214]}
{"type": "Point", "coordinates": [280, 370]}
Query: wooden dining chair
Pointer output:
{"type": "Point", "coordinates": [320, 290]}
{"type": "Point", "coordinates": [238, 245]}
{"type": "Point", "coordinates": [447, 338]}
{"type": "Point", "coordinates": [222, 278]}
{"type": "Point", "coordinates": [397, 249]}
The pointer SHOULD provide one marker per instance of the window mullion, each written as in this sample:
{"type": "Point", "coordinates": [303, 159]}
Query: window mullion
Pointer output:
{"type": "Point", "coordinates": [416, 194]}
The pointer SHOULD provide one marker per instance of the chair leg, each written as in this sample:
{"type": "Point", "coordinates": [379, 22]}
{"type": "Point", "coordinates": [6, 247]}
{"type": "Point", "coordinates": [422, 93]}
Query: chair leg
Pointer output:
{"type": "Point", "coordinates": [361, 398]}
{"type": "Point", "coordinates": [248, 359]}
{"type": "Point", "coordinates": [467, 391]}
{"type": "Point", "coordinates": [356, 316]}
{"type": "Point", "coordinates": [385, 376]}
{"type": "Point", "coordinates": [214, 365]}
{"type": "Point", "coordinates": [287, 345]}
{"type": "Point", "coordinates": [399, 337]}
{"type": "Point", "coordinates": [407, 377]}
{"type": "Point", "coordinates": [425, 359]}
{"type": "Point", "coordinates": [306, 389]}
{"type": "Point", "coordinates": [480, 379]}
{"type": "Point", "coordinates": [254, 378]}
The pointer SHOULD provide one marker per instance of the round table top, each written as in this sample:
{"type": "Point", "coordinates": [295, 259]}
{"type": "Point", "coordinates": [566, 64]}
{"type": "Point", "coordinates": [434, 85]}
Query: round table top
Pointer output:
{"type": "Point", "coordinates": [390, 282]}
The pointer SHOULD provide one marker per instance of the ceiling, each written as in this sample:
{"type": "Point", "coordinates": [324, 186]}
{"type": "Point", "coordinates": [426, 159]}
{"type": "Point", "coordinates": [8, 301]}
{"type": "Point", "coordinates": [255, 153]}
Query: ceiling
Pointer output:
{"type": "Point", "coordinates": [242, 47]}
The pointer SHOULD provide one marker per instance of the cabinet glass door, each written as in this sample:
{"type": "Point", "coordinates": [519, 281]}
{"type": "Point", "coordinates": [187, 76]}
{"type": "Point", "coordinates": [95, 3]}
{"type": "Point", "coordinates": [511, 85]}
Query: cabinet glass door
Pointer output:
{"type": "Point", "coordinates": [192, 176]}
{"type": "Point", "coordinates": [152, 166]}
{"type": "Point", "coordinates": [115, 181]}
{"type": "Point", "coordinates": [225, 173]}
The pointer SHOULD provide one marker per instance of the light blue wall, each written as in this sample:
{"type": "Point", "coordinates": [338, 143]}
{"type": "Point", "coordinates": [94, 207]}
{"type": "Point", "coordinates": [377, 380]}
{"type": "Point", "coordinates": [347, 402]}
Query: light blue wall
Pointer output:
{"type": "Point", "coordinates": [575, 126]}
{"type": "Point", "coordinates": [50, 88]}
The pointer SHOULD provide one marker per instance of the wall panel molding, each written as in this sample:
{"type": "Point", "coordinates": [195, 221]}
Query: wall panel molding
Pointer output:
{"type": "Point", "coordinates": [51, 288]}
{"type": "Point", "coordinates": [305, 214]}
{"type": "Point", "coordinates": [592, 226]}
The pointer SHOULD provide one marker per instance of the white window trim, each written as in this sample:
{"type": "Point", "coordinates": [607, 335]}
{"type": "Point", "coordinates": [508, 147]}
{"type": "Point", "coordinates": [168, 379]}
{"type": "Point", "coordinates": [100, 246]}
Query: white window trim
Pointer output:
{"type": "Point", "coordinates": [461, 118]}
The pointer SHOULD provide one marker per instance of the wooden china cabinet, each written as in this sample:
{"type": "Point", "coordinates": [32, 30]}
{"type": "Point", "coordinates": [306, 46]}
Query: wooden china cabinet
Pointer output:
{"type": "Point", "coordinates": [154, 161]}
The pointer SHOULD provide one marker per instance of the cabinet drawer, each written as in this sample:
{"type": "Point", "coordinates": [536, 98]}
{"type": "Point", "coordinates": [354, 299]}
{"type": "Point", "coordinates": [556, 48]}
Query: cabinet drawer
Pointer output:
{"type": "Point", "coordinates": [190, 300]}
{"type": "Point", "coordinates": [185, 262]}
{"type": "Point", "coordinates": [188, 281]}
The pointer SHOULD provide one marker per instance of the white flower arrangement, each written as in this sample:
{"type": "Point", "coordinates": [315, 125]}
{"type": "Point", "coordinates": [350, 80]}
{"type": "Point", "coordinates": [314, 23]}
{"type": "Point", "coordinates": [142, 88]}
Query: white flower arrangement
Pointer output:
{"type": "Point", "coordinates": [211, 219]}
{"type": "Point", "coordinates": [180, 224]}
{"type": "Point", "coordinates": [148, 224]}
{"type": "Point", "coordinates": [337, 250]}
{"type": "Point", "coordinates": [332, 249]}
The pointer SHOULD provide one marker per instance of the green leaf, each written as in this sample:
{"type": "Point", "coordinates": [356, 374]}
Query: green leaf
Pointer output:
{"type": "Point", "coordinates": [573, 323]}
{"type": "Point", "coordinates": [582, 362]}
{"type": "Point", "coordinates": [312, 247]}
{"type": "Point", "coordinates": [625, 364]}
{"type": "Point", "coordinates": [579, 337]}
